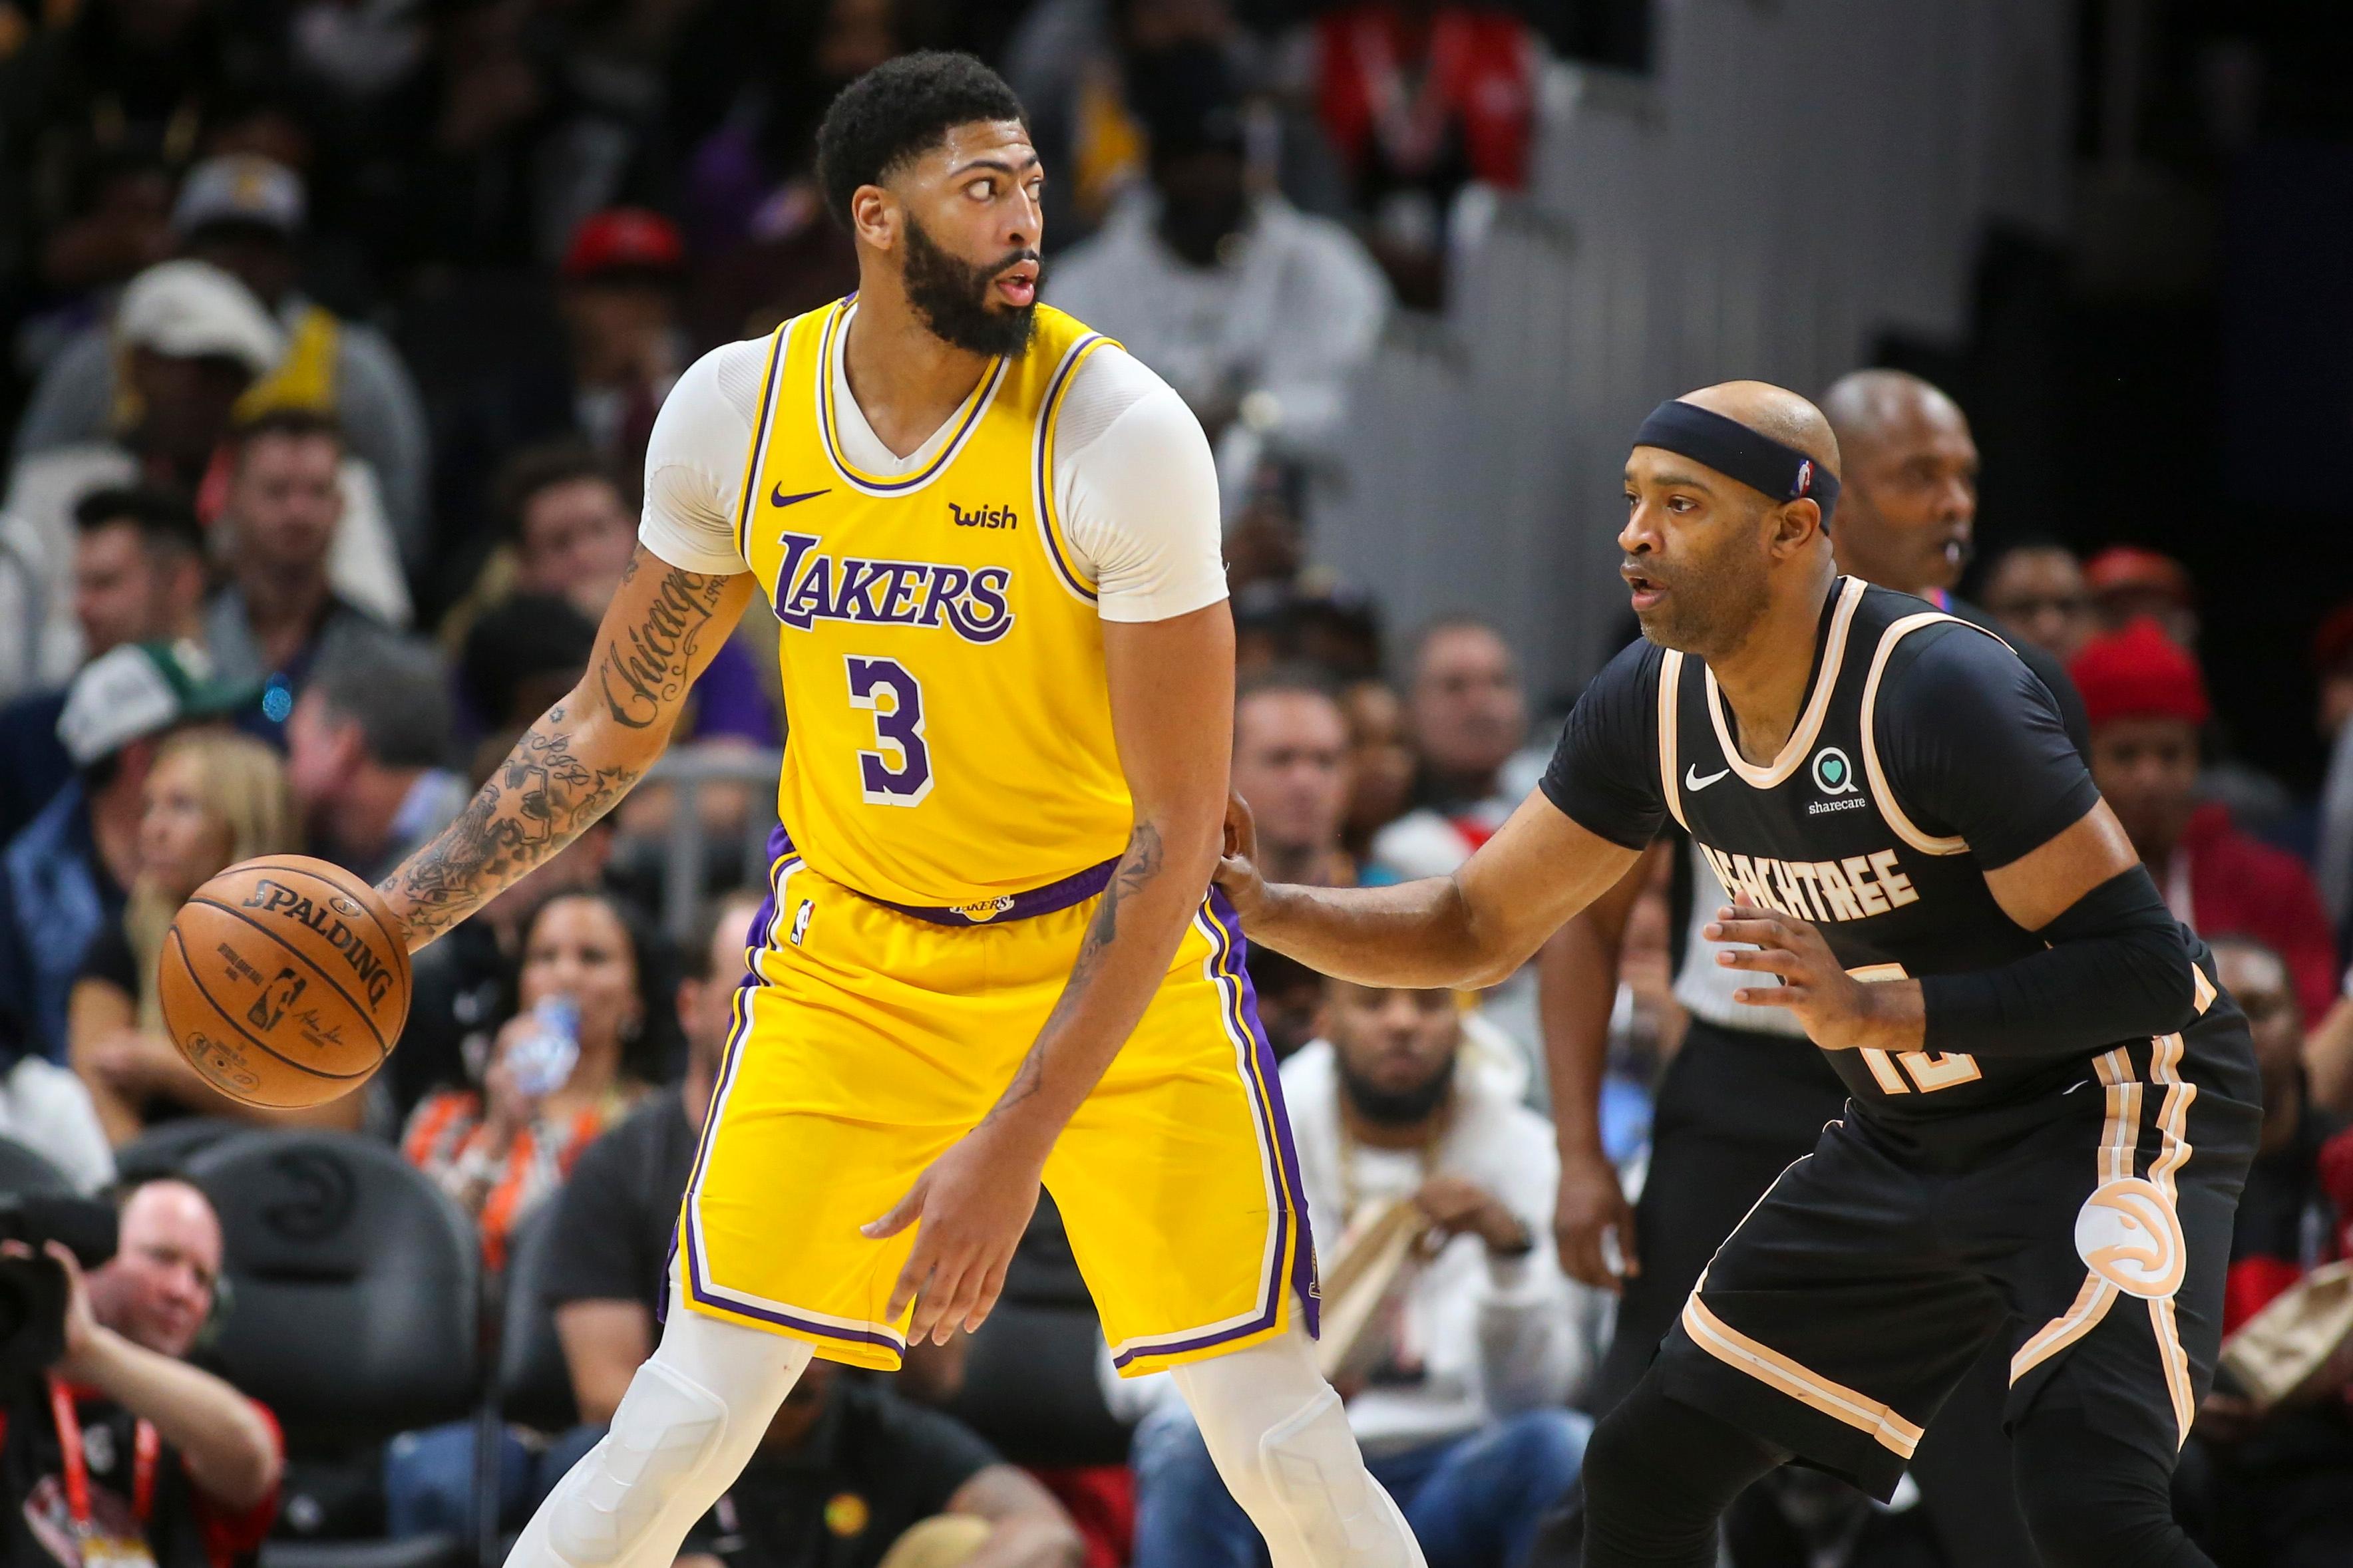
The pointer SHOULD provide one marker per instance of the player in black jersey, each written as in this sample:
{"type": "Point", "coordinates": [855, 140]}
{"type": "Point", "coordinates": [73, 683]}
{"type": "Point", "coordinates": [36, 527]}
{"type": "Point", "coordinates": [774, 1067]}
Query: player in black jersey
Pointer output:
{"type": "Point", "coordinates": [2052, 1105]}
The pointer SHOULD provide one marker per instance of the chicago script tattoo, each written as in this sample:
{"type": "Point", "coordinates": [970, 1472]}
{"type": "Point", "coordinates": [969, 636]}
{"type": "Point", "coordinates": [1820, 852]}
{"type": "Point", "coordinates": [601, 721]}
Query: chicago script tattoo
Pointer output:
{"type": "Point", "coordinates": [644, 672]}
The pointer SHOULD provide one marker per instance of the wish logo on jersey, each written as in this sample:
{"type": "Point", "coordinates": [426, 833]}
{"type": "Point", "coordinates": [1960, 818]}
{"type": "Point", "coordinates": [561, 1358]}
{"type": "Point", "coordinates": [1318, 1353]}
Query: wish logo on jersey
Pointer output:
{"type": "Point", "coordinates": [813, 587]}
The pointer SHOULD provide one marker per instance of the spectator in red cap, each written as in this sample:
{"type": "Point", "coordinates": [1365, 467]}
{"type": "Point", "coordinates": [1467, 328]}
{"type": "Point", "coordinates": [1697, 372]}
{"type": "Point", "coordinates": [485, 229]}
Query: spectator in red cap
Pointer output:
{"type": "Point", "coordinates": [2129, 583]}
{"type": "Point", "coordinates": [2147, 701]}
{"type": "Point", "coordinates": [620, 309]}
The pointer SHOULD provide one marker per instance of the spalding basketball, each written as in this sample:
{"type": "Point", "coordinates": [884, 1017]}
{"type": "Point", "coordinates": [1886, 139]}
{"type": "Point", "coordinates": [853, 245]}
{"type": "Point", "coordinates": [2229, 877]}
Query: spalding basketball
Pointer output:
{"type": "Point", "coordinates": [283, 982]}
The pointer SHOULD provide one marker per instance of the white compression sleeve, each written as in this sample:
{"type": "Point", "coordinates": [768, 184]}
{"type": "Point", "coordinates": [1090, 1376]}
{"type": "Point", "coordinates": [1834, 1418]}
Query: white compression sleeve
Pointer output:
{"type": "Point", "coordinates": [1279, 1437]}
{"type": "Point", "coordinates": [686, 1428]}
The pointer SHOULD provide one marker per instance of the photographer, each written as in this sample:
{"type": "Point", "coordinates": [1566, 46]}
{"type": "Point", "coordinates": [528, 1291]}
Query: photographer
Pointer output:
{"type": "Point", "coordinates": [122, 1452]}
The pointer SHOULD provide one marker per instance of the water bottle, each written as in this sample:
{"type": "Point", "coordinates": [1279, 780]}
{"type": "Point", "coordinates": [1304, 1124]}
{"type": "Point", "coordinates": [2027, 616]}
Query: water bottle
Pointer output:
{"type": "Point", "coordinates": [542, 1061]}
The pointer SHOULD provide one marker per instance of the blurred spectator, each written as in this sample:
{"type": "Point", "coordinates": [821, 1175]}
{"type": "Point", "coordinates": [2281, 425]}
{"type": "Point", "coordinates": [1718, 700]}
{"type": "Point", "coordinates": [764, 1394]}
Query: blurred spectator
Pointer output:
{"type": "Point", "coordinates": [573, 535]}
{"type": "Point", "coordinates": [367, 752]}
{"type": "Point", "coordinates": [1432, 105]}
{"type": "Point", "coordinates": [62, 877]}
{"type": "Point", "coordinates": [852, 1474]}
{"type": "Point", "coordinates": [1268, 541]}
{"type": "Point", "coordinates": [1380, 764]}
{"type": "Point", "coordinates": [2036, 591]}
{"type": "Point", "coordinates": [1456, 1381]}
{"type": "Point", "coordinates": [2280, 1476]}
{"type": "Point", "coordinates": [1908, 516]}
{"type": "Point", "coordinates": [1467, 717]}
{"type": "Point", "coordinates": [609, 1258]}
{"type": "Point", "coordinates": [2146, 699]}
{"type": "Point", "coordinates": [125, 1443]}
{"type": "Point", "coordinates": [2332, 665]}
{"type": "Point", "coordinates": [193, 338]}
{"type": "Point", "coordinates": [285, 608]}
{"type": "Point", "coordinates": [621, 275]}
{"type": "Point", "coordinates": [1258, 314]}
{"type": "Point", "coordinates": [1311, 620]}
{"type": "Point", "coordinates": [520, 659]}
{"type": "Point", "coordinates": [245, 213]}
{"type": "Point", "coordinates": [46, 1108]}
{"type": "Point", "coordinates": [500, 1150]}
{"type": "Point", "coordinates": [213, 798]}
{"type": "Point", "coordinates": [139, 576]}
{"type": "Point", "coordinates": [2129, 583]}
{"type": "Point", "coordinates": [1290, 764]}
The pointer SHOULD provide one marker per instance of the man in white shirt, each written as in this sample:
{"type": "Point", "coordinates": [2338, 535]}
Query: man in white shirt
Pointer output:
{"type": "Point", "coordinates": [1456, 1389]}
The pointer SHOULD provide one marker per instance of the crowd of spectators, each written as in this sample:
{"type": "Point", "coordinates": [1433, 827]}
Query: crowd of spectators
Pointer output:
{"type": "Point", "coordinates": [335, 336]}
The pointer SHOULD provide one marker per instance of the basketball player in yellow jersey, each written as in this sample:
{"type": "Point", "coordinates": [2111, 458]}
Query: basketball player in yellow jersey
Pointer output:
{"type": "Point", "coordinates": [990, 956]}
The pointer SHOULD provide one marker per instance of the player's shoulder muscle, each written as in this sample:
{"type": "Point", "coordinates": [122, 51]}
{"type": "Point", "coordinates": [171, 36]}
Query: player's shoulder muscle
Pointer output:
{"type": "Point", "coordinates": [695, 457]}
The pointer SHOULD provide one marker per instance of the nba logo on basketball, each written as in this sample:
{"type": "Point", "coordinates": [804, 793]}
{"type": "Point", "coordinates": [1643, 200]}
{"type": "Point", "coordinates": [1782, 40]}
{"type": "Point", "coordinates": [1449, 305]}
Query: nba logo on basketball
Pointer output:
{"type": "Point", "coordinates": [281, 993]}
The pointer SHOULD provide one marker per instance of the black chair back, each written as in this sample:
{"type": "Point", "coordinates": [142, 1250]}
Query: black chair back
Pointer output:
{"type": "Point", "coordinates": [166, 1149]}
{"type": "Point", "coordinates": [534, 1383]}
{"type": "Point", "coordinates": [357, 1286]}
{"type": "Point", "coordinates": [23, 1172]}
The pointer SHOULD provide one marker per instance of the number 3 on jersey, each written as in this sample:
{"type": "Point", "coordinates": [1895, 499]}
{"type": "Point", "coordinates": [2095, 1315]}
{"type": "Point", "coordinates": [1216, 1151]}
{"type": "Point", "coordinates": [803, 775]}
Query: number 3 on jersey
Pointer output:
{"type": "Point", "coordinates": [901, 773]}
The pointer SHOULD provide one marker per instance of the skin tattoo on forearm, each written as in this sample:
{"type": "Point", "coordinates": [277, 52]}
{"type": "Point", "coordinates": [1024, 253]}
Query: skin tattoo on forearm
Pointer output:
{"type": "Point", "coordinates": [1138, 867]}
{"type": "Point", "coordinates": [544, 795]}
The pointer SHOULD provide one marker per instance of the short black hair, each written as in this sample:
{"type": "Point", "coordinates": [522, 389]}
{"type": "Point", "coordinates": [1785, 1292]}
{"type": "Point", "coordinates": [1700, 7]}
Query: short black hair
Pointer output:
{"type": "Point", "coordinates": [542, 468]}
{"type": "Point", "coordinates": [167, 523]}
{"type": "Point", "coordinates": [290, 420]}
{"type": "Point", "coordinates": [901, 109]}
{"type": "Point", "coordinates": [397, 692]}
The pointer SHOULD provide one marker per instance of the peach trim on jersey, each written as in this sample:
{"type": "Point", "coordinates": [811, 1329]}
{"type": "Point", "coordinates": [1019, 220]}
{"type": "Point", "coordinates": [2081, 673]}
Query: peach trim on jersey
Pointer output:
{"type": "Point", "coordinates": [1769, 1367]}
{"type": "Point", "coordinates": [1670, 680]}
{"type": "Point", "coordinates": [2173, 1117]}
{"type": "Point", "coordinates": [1793, 750]}
{"type": "Point", "coordinates": [2119, 1135]}
{"type": "Point", "coordinates": [1906, 828]}
{"type": "Point", "coordinates": [2202, 988]}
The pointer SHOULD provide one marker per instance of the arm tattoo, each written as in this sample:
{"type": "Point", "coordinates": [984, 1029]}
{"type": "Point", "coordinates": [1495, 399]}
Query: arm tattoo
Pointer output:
{"type": "Point", "coordinates": [644, 673]}
{"type": "Point", "coordinates": [556, 781]}
{"type": "Point", "coordinates": [539, 799]}
{"type": "Point", "coordinates": [1139, 866]}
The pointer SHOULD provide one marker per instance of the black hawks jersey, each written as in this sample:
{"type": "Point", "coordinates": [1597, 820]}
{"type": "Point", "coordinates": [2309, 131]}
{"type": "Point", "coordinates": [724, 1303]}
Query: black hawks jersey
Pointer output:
{"type": "Point", "coordinates": [1926, 753]}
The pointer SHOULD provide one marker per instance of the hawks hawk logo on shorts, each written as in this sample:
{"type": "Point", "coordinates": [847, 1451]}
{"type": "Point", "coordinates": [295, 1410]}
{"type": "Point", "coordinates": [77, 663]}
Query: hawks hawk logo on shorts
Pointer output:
{"type": "Point", "coordinates": [2128, 1235]}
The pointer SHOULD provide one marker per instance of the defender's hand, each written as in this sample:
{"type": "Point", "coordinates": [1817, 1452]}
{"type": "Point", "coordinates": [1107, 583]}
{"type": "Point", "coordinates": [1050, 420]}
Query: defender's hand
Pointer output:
{"type": "Point", "coordinates": [1237, 871]}
{"type": "Point", "coordinates": [973, 1202]}
{"type": "Point", "coordinates": [1591, 1204]}
{"type": "Point", "coordinates": [1840, 1012]}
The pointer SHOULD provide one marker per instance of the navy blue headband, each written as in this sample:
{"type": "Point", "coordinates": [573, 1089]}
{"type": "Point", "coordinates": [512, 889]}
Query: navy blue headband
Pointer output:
{"type": "Point", "coordinates": [1733, 450]}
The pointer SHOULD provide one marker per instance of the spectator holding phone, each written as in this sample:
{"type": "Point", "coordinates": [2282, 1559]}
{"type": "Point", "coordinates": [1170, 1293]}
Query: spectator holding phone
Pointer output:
{"type": "Point", "coordinates": [592, 1031]}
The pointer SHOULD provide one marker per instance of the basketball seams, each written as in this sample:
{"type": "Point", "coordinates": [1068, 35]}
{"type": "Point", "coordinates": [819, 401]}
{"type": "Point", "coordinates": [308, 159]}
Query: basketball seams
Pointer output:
{"type": "Point", "coordinates": [302, 867]}
{"type": "Point", "coordinates": [359, 1009]}
{"type": "Point", "coordinates": [197, 984]}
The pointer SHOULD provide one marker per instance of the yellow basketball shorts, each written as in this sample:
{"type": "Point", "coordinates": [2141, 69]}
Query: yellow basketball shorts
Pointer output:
{"type": "Point", "coordinates": [867, 1040]}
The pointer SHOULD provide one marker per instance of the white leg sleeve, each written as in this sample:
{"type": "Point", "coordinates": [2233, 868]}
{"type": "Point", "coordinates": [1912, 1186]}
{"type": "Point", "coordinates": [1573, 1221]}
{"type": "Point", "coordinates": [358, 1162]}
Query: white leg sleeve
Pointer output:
{"type": "Point", "coordinates": [692, 1416]}
{"type": "Point", "coordinates": [1281, 1440]}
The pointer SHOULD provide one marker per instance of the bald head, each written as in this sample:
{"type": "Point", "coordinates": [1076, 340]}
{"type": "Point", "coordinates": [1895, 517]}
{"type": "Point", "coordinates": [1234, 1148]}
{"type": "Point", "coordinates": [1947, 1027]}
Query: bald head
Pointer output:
{"type": "Point", "coordinates": [1908, 512]}
{"type": "Point", "coordinates": [1776, 412]}
{"type": "Point", "coordinates": [1708, 557]}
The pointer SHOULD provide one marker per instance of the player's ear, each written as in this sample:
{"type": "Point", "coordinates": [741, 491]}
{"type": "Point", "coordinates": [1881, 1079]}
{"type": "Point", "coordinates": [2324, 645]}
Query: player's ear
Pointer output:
{"type": "Point", "coordinates": [874, 216]}
{"type": "Point", "coordinates": [1796, 525]}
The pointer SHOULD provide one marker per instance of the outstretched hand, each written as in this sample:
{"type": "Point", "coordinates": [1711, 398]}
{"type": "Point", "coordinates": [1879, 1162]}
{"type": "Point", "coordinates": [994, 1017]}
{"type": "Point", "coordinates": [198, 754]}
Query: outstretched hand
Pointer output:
{"type": "Point", "coordinates": [971, 1206]}
{"type": "Point", "coordinates": [1840, 1012]}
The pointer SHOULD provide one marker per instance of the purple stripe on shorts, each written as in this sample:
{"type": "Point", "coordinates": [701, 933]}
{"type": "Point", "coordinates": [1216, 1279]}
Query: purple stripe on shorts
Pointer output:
{"type": "Point", "coordinates": [1076, 889]}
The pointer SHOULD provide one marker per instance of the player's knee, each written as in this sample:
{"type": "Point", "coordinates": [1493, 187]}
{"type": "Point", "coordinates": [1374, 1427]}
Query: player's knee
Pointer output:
{"type": "Point", "coordinates": [1315, 1477]}
{"type": "Point", "coordinates": [667, 1426]}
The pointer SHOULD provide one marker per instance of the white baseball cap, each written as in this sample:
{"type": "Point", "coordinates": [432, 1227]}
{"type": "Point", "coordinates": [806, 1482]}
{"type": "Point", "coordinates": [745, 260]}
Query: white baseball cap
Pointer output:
{"type": "Point", "coordinates": [140, 689]}
{"type": "Point", "coordinates": [192, 310]}
{"type": "Point", "coordinates": [240, 187]}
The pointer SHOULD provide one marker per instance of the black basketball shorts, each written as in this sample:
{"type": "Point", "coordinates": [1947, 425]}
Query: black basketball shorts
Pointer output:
{"type": "Point", "coordinates": [2093, 1231]}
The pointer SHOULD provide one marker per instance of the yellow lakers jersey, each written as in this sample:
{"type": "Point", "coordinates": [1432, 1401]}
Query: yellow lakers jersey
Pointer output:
{"type": "Point", "coordinates": [949, 737]}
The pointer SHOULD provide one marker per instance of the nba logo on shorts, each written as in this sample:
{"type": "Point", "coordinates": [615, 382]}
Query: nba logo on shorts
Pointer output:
{"type": "Point", "coordinates": [801, 920]}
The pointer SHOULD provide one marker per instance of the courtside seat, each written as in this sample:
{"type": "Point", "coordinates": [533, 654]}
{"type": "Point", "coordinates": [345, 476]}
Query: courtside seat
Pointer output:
{"type": "Point", "coordinates": [532, 1382]}
{"type": "Point", "coordinates": [23, 1172]}
{"type": "Point", "coordinates": [355, 1286]}
{"type": "Point", "coordinates": [166, 1149]}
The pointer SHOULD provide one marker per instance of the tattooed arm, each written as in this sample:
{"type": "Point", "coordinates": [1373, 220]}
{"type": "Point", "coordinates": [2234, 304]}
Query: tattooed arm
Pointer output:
{"type": "Point", "coordinates": [1172, 701]}
{"type": "Point", "coordinates": [584, 753]}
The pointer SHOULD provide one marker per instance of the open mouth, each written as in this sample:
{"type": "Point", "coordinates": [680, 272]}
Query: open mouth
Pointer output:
{"type": "Point", "coordinates": [1646, 591]}
{"type": "Point", "coordinates": [1018, 284]}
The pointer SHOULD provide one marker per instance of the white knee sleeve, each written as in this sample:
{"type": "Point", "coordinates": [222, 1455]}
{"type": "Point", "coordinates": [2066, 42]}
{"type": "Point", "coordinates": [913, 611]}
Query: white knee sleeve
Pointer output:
{"type": "Point", "coordinates": [1281, 1439]}
{"type": "Point", "coordinates": [692, 1416]}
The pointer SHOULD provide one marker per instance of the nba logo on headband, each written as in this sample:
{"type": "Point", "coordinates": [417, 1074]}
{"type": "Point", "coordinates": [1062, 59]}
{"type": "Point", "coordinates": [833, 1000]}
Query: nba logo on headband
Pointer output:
{"type": "Point", "coordinates": [1805, 476]}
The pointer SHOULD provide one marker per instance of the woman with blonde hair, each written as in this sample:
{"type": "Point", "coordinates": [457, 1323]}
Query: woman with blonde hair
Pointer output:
{"type": "Point", "coordinates": [214, 797]}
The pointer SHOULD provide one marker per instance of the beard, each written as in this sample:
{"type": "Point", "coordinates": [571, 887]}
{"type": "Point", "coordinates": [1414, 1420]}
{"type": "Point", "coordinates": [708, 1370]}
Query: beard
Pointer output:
{"type": "Point", "coordinates": [952, 296]}
{"type": "Point", "coordinates": [1396, 1107]}
{"type": "Point", "coordinates": [1711, 605]}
